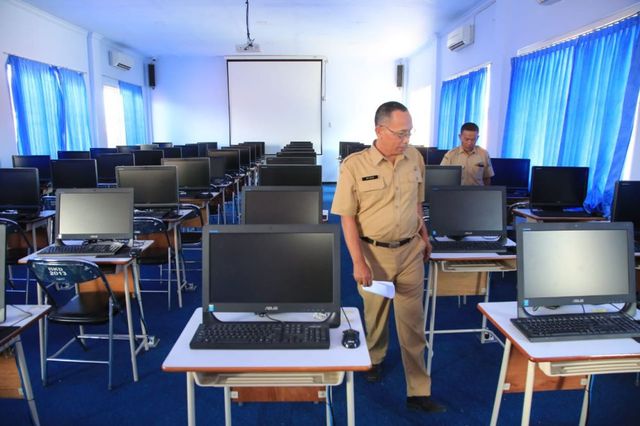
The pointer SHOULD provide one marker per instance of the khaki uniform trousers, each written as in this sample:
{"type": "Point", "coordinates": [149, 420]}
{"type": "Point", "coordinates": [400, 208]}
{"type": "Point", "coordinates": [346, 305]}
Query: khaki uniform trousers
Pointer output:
{"type": "Point", "coordinates": [404, 266]}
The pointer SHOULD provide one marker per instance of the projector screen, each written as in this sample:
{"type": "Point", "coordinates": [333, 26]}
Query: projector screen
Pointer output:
{"type": "Point", "coordinates": [276, 101]}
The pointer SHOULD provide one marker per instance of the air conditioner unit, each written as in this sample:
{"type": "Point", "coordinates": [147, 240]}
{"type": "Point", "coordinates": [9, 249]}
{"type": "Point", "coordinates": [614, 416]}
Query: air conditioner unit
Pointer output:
{"type": "Point", "coordinates": [460, 37]}
{"type": "Point", "coordinates": [120, 60]}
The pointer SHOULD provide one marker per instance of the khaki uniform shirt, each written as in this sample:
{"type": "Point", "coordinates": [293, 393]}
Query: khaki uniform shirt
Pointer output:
{"type": "Point", "coordinates": [383, 197]}
{"type": "Point", "coordinates": [476, 166]}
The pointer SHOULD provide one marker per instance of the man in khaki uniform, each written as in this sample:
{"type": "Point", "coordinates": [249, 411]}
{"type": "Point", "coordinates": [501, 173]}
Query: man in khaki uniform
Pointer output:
{"type": "Point", "coordinates": [475, 161]}
{"type": "Point", "coordinates": [379, 197]}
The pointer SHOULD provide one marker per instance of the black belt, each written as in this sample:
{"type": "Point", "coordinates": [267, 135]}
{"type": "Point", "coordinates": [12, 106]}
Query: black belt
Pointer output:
{"type": "Point", "coordinates": [393, 244]}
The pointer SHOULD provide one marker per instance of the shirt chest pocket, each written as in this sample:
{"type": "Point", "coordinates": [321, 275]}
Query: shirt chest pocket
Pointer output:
{"type": "Point", "coordinates": [370, 191]}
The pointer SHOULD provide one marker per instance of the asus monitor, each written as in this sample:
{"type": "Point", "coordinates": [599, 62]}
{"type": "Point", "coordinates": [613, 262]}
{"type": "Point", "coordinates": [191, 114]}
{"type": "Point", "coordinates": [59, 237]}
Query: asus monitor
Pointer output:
{"type": "Point", "coordinates": [557, 188]}
{"type": "Point", "coordinates": [20, 189]}
{"type": "Point", "coordinates": [282, 204]}
{"type": "Point", "coordinates": [74, 173]}
{"type": "Point", "coordinates": [440, 176]}
{"type": "Point", "coordinates": [153, 186]}
{"type": "Point", "coordinates": [40, 162]}
{"type": "Point", "coordinates": [193, 173]}
{"type": "Point", "coordinates": [290, 175]}
{"type": "Point", "coordinates": [107, 164]}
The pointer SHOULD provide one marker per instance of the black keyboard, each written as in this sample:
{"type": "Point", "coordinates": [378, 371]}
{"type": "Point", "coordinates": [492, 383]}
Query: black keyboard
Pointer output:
{"type": "Point", "coordinates": [548, 328]}
{"type": "Point", "coordinates": [560, 213]}
{"type": "Point", "coordinates": [468, 246]}
{"type": "Point", "coordinates": [157, 214]}
{"type": "Point", "coordinates": [16, 217]}
{"type": "Point", "coordinates": [261, 335]}
{"type": "Point", "coordinates": [81, 250]}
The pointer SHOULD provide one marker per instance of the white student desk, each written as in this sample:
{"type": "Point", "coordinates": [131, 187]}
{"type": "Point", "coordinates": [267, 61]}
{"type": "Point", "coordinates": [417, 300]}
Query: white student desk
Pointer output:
{"type": "Point", "coordinates": [23, 316]}
{"type": "Point", "coordinates": [122, 265]}
{"type": "Point", "coordinates": [270, 367]}
{"type": "Point", "coordinates": [572, 358]}
{"type": "Point", "coordinates": [474, 265]}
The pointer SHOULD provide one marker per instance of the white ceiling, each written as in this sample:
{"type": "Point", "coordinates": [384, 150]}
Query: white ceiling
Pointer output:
{"type": "Point", "coordinates": [390, 28]}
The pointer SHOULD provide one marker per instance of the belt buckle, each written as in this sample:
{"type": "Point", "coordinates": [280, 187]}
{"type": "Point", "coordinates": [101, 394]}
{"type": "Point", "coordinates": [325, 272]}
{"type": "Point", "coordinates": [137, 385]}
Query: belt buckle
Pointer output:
{"type": "Point", "coordinates": [394, 244]}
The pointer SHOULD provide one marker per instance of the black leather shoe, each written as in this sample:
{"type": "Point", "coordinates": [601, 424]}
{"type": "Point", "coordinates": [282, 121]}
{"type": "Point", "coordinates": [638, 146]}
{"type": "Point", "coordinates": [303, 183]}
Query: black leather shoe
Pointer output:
{"type": "Point", "coordinates": [425, 403]}
{"type": "Point", "coordinates": [374, 374]}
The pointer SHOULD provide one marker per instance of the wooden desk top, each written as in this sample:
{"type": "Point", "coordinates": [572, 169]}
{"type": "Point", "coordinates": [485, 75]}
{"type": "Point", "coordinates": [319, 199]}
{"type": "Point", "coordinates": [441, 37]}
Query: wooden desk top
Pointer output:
{"type": "Point", "coordinates": [500, 314]}
{"type": "Point", "coordinates": [336, 358]}
{"type": "Point", "coordinates": [21, 316]}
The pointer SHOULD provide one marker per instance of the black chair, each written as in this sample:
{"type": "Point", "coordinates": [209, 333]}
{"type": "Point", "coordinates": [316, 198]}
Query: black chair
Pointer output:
{"type": "Point", "coordinates": [18, 246]}
{"type": "Point", "coordinates": [63, 283]}
{"type": "Point", "coordinates": [160, 253]}
{"type": "Point", "coordinates": [190, 236]}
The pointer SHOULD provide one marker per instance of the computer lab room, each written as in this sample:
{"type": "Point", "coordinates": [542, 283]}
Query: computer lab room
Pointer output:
{"type": "Point", "coordinates": [275, 212]}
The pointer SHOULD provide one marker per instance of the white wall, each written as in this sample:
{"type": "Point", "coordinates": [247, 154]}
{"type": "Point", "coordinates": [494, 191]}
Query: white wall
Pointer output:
{"type": "Point", "coordinates": [190, 102]}
{"type": "Point", "coordinates": [502, 27]}
{"type": "Point", "coordinates": [33, 34]}
{"type": "Point", "coordinates": [420, 92]}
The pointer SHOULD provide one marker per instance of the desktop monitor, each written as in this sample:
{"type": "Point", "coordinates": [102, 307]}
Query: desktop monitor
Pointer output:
{"type": "Point", "coordinates": [232, 159]}
{"type": "Point", "coordinates": [190, 150]}
{"type": "Point", "coordinates": [66, 155]}
{"type": "Point", "coordinates": [217, 168]}
{"type": "Point", "coordinates": [3, 260]}
{"type": "Point", "coordinates": [343, 148]}
{"type": "Point", "coordinates": [440, 176]}
{"type": "Point", "coordinates": [290, 175]}
{"type": "Point", "coordinates": [204, 147]}
{"type": "Point", "coordinates": [94, 214]}
{"type": "Point", "coordinates": [424, 151]}
{"type": "Point", "coordinates": [96, 152]}
{"type": "Point", "coordinates": [244, 153]}
{"type": "Point", "coordinates": [296, 153]}
{"type": "Point", "coordinates": [74, 173]}
{"type": "Point", "coordinates": [127, 148]}
{"type": "Point", "coordinates": [461, 211]}
{"type": "Point", "coordinates": [172, 152]}
{"type": "Point", "coordinates": [304, 276]}
{"type": "Point", "coordinates": [148, 157]}
{"type": "Point", "coordinates": [555, 188]}
{"type": "Point", "coordinates": [626, 204]}
{"type": "Point", "coordinates": [253, 151]}
{"type": "Point", "coordinates": [162, 145]}
{"type": "Point", "coordinates": [153, 186]}
{"type": "Point", "coordinates": [281, 204]}
{"type": "Point", "coordinates": [435, 155]}
{"type": "Point", "coordinates": [40, 162]}
{"type": "Point", "coordinates": [511, 172]}
{"type": "Point", "coordinates": [260, 147]}
{"type": "Point", "coordinates": [20, 189]}
{"type": "Point", "coordinates": [193, 173]}
{"type": "Point", "coordinates": [291, 160]}
{"type": "Point", "coordinates": [573, 263]}
{"type": "Point", "coordinates": [107, 164]}
{"type": "Point", "coordinates": [148, 147]}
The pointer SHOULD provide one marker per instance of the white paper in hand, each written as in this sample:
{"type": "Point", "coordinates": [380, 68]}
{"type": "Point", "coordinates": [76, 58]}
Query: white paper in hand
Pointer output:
{"type": "Point", "coordinates": [383, 288]}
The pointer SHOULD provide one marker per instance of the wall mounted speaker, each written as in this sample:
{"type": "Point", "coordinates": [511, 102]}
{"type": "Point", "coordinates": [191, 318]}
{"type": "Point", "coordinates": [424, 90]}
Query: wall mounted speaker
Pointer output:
{"type": "Point", "coordinates": [399, 75]}
{"type": "Point", "coordinates": [151, 73]}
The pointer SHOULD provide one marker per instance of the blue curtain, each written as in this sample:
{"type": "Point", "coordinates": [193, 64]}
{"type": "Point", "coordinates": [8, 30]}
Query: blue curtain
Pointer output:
{"type": "Point", "coordinates": [36, 106]}
{"type": "Point", "coordinates": [461, 100]}
{"type": "Point", "coordinates": [76, 110]}
{"type": "Point", "coordinates": [576, 106]}
{"type": "Point", "coordinates": [134, 123]}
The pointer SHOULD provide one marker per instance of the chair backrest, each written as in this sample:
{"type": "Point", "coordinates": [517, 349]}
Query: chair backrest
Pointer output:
{"type": "Point", "coordinates": [66, 271]}
{"type": "Point", "coordinates": [16, 235]}
{"type": "Point", "coordinates": [151, 228]}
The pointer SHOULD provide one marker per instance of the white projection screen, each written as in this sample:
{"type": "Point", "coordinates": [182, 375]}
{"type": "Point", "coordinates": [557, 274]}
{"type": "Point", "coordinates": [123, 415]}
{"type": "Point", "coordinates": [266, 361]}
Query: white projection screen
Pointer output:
{"type": "Point", "coordinates": [276, 101]}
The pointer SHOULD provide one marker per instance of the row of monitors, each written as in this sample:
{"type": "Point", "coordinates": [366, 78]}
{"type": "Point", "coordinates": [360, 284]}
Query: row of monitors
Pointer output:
{"type": "Point", "coordinates": [551, 186]}
{"type": "Point", "coordinates": [155, 185]}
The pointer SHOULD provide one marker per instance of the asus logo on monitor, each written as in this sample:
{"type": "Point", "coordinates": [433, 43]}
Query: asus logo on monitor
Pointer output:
{"type": "Point", "coordinates": [270, 308]}
{"type": "Point", "coordinates": [577, 301]}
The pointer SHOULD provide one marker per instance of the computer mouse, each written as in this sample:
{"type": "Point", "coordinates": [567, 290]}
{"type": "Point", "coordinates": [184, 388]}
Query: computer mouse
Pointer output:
{"type": "Point", "coordinates": [351, 338]}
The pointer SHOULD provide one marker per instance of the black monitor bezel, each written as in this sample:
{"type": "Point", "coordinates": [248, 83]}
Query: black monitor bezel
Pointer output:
{"type": "Point", "coordinates": [248, 190]}
{"type": "Point", "coordinates": [194, 162]}
{"type": "Point", "coordinates": [95, 152]}
{"type": "Point", "coordinates": [534, 196]}
{"type": "Point", "coordinates": [60, 166]}
{"type": "Point", "coordinates": [431, 168]}
{"type": "Point", "coordinates": [437, 231]}
{"type": "Point", "coordinates": [142, 169]}
{"type": "Point", "coordinates": [151, 154]}
{"type": "Point", "coordinates": [96, 236]}
{"type": "Point", "coordinates": [271, 307]}
{"type": "Point", "coordinates": [317, 170]}
{"type": "Point", "coordinates": [111, 177]}
{"type": "Point", "coordinates": [232, 158]}
{"type": "Point", "coordinates": [28, 177]}
{"type": "Point", "coordinates": [524, 164]}
{"type": "Point", "coordinates": [74, 155]}
{"type": "Point", "coordinates": [630, 214]}
{"type": "Point", "coordinates": [40, 162]}
{"type": "Point", "coordinates": [523, 227]}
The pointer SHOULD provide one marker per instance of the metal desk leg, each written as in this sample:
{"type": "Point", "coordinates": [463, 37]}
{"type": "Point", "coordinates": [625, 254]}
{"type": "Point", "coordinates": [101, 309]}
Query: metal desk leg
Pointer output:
{"type": "Point", "coordinates": [528, 393]}
{"type": "Point", "coordinates": [227, 406]}
{"type": "Point", "coordinates": [176, 243]}
{"type": "Point", "coordinates": [147, 340]}
{"type": "Point", "coordinates": [191, 402]}
{"type": "Point", "coordinates": [501, 378]}
{"type": "Point", "coordinates": [327, 408]}
{"type": "Point", "coordinates": [585, 402]}
{"type": "Point", "coordinates": [132, 337]}
{"type": "Point", "coordinates": [486, 336]}
{"type": "Point", "coordinates": [351, 410]}
{"type": "Point", "coordinates": [432, 320]}
{"type": "Point", "coordinates": [24, 372]}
